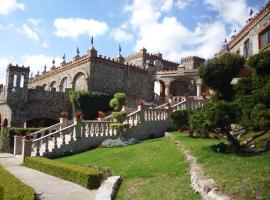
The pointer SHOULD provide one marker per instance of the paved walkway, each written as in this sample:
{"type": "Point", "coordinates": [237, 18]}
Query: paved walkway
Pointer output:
{"type": "Point", "coordinates": [47, 186]}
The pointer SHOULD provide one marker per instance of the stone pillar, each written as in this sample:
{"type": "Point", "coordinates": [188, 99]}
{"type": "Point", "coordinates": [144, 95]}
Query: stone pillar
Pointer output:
{"type": "Point", "coordinates": [26, 148]}
{"type": "Point", "coordinates": [64, 122]}
{"type": "Point", "coordinates": [141, 109]}
{"type": "Point", "coordinates": [167, 90]}
{"type": "Point", "coordinates": [78, 128]}
{"type": "Point", "coordinates": [17, 145]}
{"type": "Point", "coordinates": [199, 87]}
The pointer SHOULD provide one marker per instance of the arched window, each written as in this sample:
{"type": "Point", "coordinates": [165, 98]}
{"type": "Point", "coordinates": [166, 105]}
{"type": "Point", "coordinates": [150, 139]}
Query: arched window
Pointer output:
{"type": "Point", "coordinates": [80, 82]}
{"type": "Point", "coordinates": [44, 86]}
{"type": "Point", "coordinates": [63, 84]}
{"type": "Point", "coordinates": [53, 86]}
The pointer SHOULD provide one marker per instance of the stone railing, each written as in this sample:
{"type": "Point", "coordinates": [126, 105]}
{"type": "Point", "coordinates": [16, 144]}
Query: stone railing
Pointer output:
{"type": "Point", "coordinates": [54, 140]}
{"type": "Point", "coordinates": [83, 134]}
{"type": "Point", "coordinates": [45, 131]}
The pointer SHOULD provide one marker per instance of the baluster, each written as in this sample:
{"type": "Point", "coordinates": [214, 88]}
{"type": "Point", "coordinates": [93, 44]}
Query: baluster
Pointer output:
{"type": "Point", "coordinates": [83, 130]}
{"type": "Point", "coordinates": [72, 133]}
{"type": "Point", "coordinates": [55, 140]}
{"type": "Point", "coordinates": [38, 148]}
{"type": "Point", "coordinates": [63, 137]}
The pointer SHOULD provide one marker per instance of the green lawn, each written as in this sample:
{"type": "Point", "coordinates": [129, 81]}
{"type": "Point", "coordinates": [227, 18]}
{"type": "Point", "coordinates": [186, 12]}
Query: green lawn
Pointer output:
{"type": "Point", "coordinates": [154, 169]}
{"type": "Point", "coordinates": [13, 188]}
{"type": "Point", "coordinates": [242, 177]}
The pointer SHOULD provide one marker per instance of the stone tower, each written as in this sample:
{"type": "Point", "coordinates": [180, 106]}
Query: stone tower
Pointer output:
{"type": "Point", "coordinates": [17, 79]}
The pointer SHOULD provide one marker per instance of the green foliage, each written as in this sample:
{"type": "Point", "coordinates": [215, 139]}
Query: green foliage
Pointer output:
{"type": "Point", "coordinates": [84, 176]}
{"type": "Point", "coordinates": [119, 116]}
{"type": "Point", "coordinates": [181, 118]}
{"type": "Point", "coordinates": [260, 118]}
{"type": "Point", "coordinates": [243, 87]}
{"type": "Point", "coordinates": [260, 62]}
{"type": "Point", "coordinates": [89, 103]}
{"type": "Point", "coordinates": [153, 169]}
{"type": "Point", "coordinates": [197, 123]}
{"type": "Point", "coordinates": [12, 188]}
{"type": "Point", "coordinates": [22, 131]}
{"type": "Point", "coordinates": [119, 127]}
{"type": "Point", "coordinates": [118, 101]}
{"type": "Point", "coordinates": [221, 114]}
{"type": "Point", "coordinates": [219, 72]}
{"type": "Point", "coordinates": [4, 141]}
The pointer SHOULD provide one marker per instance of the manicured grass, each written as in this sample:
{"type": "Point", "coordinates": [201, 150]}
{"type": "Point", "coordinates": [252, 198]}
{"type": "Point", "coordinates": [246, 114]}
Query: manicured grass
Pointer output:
{"type": "Point", "coordinates": [12, 188]}
{"type": "Point", "coordinates": [154, 169]}
{"type": "Point", "coordinates": [242, 177]}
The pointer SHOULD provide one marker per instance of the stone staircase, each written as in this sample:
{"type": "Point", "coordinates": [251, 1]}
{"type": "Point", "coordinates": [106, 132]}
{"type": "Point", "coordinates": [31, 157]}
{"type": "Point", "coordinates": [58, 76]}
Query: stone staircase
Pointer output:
{"type": "Point", "coordinates": [67, 138]}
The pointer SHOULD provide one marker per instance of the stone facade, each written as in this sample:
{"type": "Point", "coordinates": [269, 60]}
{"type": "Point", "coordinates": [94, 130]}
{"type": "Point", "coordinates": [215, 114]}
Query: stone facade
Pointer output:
{"type": "Point", "coordinates": [248, 40]}
{"type": "Point", "coordinates": [44, 96]}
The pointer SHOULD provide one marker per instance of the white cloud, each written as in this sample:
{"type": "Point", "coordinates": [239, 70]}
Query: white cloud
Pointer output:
{"type": "Point", "coordinates": [44, 45]}
{"type": "Point", "coordinates": [182, 4]}
{"type": "Point", "coordinates": [3, 65]}
{"type": "Point", "coordinates": [7, 6]}
{"type": "Point", "coordinates": [233, 12]}
{"type": "Point", "coordinates": [73, 27]}
{"type": "Point", "coordinates": [7, 27]}
{"type": "Point", "coordinates": [120, 35]}
{"type": "Point", "coordinates": [167, 5]}
{"type": "Point", "coordinates": [29, 33]}
{"type": "Point", "coordinates": [37, 62]}
{"type": "Point", "coordinates": [34, 21]}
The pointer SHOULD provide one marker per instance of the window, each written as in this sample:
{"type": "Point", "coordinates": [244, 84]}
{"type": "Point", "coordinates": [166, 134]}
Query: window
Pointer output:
{"type": "Point", "coordinates": [15, 80]}
{"type": "Point", "coordinates": [22, 81]}
{"type": "Point", "coordinates": [246, 49]}
{"type": "Point", "coordinates": [264, 38]}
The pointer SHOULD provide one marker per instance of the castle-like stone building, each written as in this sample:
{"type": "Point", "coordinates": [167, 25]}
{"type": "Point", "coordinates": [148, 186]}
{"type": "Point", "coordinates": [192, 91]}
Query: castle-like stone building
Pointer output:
{"type": "Point", "coordinates": [254, 37]}
{"type": "Point", "coordinates": [27, 100]}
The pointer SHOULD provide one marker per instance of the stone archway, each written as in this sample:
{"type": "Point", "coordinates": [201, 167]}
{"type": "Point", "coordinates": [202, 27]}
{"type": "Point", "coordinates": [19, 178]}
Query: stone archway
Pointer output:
{"type": "Point", "coordinates": [159, 88]}
{"type": "Point", "coordinates": [63, 84]}
{"type": "Point", "coordinates": [80, 81]}
{"type": "Point", "coordinates": [53, 86]}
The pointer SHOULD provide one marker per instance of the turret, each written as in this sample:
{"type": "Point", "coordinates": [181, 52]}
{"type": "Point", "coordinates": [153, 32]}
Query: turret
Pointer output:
{"type": "Point", "coordinates": [17, 79]}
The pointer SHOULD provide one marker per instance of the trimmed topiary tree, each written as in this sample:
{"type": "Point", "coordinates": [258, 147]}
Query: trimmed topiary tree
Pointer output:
{"type": "Point", "coordinates": [118, 101]}
{"type": "Point", "coordinates": [4, 141]}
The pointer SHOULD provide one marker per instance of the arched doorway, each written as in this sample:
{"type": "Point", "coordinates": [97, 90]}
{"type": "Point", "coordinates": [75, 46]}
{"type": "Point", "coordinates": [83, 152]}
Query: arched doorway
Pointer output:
{"type": "Point", "coordinates": [41, 122]}
{"type": "Point", "coordinates": [80, 82]}
{"type": "Point", "coordinates": [63, 84]}
{"type": "Point", "coordinates": [53, 86]}
{"type": "Point", "coordinates": [159, 88]}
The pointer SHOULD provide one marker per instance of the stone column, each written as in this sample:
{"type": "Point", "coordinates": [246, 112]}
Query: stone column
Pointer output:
{"type": "Point", "coordinates": [199, 87]}
{"type": "Point", "coordinates": [64, 122]}
{"type": "Point", "coordinates": [26, 148]}
{"type": "Point", "coordinates": [17, 145]}
{"type": "Point", "coordinates": [78, 128]}
{"type": "Point", "coordinates": [167, 90]}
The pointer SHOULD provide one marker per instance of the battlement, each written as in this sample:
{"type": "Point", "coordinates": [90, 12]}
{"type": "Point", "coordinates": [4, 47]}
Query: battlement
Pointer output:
{"type": "Point", "coordinates": [16, 68]}
{"type": "Point", "coordinates": [191, 62]}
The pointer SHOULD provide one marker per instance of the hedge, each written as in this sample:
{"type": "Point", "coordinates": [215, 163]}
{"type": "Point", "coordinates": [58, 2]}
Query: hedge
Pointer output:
{"type": "Point", "coordinates": [89, 103]}
{"type": "Point", "coordinates": [85, 176]}
{"type": "Point", "coordinates": [12, 188]}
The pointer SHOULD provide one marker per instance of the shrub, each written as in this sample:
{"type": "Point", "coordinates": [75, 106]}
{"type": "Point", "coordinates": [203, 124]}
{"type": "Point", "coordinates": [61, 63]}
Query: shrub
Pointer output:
{"type": "Point", "coordinates": [181, 118]}
{"type": "Point", "coordinates": [197, 123]}
{"type": "Point", "coordinates": [89, 103]}
{"type": "Point", "coordinates": [85, 176]}
{"type": "Point", "coordinates": [119, 116]}
{"type": "Point", "coordinates": [5, 141]}
{"type": "Point", "coordinates": [119, 127]}
{"type": "Point", "coordinates": [12, 188]}
{"type": "Point", "coordinates": [260, 62]}
{"type": "Point", "coordinates": [118, 101]}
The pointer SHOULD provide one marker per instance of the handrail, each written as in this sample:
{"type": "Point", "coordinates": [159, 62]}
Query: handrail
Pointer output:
{"type": "Point", "coordinates": [96, 121]}
{"type": "Point", "coordinates": [54, 133]}
{"type": "Point", "coordinates": [162, 105]}
{"type": "Point", "coordinates": [177, 104]}
{"type": "Point", "coordinates": [45, 129]}
{"type": "Point", "coordinates": [133, 113]}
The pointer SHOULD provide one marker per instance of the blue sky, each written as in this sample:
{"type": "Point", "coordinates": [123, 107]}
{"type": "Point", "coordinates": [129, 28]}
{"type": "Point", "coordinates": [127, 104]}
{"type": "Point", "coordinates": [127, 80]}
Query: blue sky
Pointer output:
{"type": "Point", "coordinates": [33, 32]}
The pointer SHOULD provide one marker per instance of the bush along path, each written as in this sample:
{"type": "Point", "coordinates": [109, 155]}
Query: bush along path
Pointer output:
{"type": "Point", "coordinates": [47, 187]}
{"type": "Point", "coordinates": [199, 181]}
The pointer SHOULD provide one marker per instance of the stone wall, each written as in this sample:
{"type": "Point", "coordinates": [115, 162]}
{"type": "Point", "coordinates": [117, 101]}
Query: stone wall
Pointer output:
{"type": "Point", "coordinates": [114, 78]}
